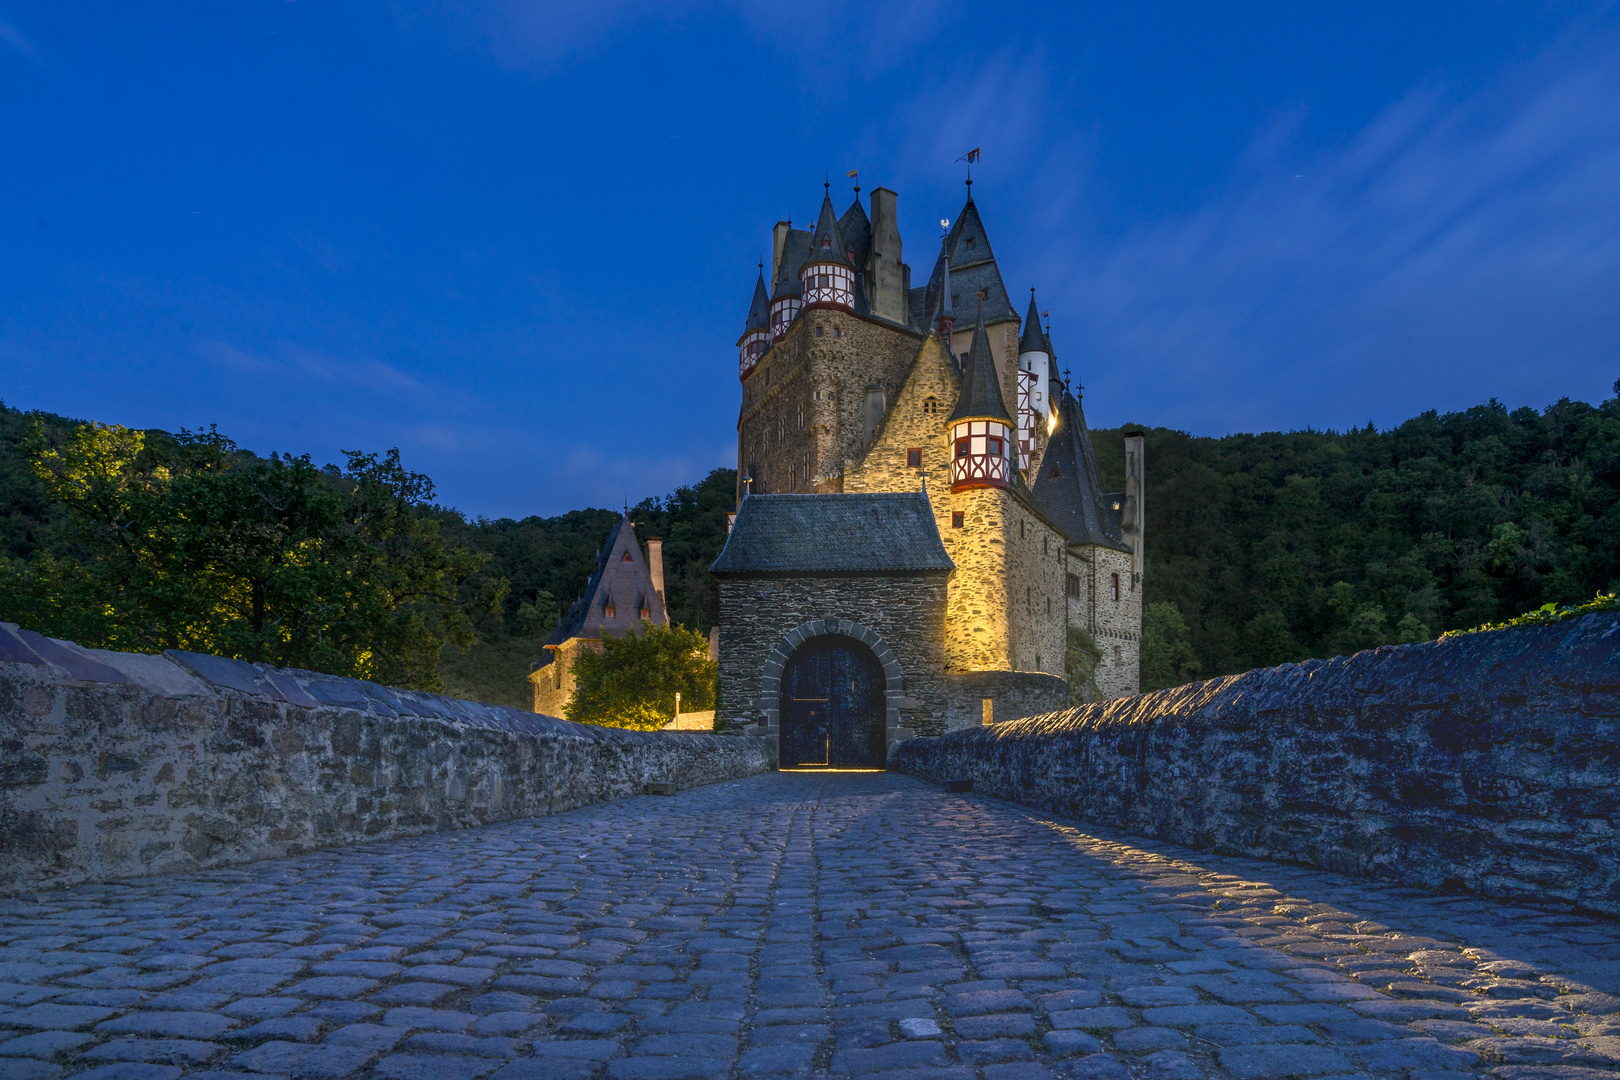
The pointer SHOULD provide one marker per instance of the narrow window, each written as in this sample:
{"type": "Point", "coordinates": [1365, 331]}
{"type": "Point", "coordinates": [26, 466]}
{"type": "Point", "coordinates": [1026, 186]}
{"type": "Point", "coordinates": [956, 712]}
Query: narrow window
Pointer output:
{"type": "Point", "coordinates": [1074, 585]}
{"type": "Point", "coordinates": [957, 517]}
{"type": "Point", "coordinates": [1020, 530]}
{"type": "Point", "coordinates": [1115, 586]}
{"type": "Point", "coordinates": [914, 458]}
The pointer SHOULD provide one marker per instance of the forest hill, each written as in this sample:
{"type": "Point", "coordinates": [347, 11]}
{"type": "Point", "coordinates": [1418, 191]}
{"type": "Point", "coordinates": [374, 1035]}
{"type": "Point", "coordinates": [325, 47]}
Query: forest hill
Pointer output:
{"type": "Point", "coordinates": [1261, 548]}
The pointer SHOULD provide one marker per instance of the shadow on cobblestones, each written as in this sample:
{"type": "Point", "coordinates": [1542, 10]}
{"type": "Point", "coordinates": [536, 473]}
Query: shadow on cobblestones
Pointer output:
{"type": "Point", "coordinates": [843, 925]}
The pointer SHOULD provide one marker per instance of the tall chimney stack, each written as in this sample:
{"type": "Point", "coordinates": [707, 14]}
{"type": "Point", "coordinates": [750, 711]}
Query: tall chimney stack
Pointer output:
{"type": "Point", "coordinates": [1133, 516]}
{"type": "Point", "coordinates": [655, 567]}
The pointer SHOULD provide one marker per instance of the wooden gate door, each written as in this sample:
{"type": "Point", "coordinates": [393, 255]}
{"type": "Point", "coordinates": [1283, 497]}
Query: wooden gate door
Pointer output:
{"type": "Point", "coordinates": [832, 706]}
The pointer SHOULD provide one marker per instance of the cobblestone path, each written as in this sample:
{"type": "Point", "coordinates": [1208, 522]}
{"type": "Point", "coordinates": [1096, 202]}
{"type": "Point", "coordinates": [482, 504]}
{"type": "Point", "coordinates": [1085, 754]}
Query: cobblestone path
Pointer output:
{"type": "Point", "coordinates": [825, 924]}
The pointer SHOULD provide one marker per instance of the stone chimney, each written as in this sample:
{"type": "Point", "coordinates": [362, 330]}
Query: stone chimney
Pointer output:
{"type": "Point", "coordinates": [1132, 517]}
{"type": "Point", "coordinates": [887, 278]}
{"type": "Point", "coordinates": [655, 567]}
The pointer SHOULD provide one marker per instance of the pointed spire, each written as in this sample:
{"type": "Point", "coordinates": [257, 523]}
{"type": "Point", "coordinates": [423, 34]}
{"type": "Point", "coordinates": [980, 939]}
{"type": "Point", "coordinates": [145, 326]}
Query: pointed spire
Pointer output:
{"type": "Point", "coordinates": [981, 389]}
{"type": "Point", "coordinates": [759, 312]}
{"type": "Point", "coordinates": [1034, 339]}
{"type": "Point", "coordinates": [827, 243]}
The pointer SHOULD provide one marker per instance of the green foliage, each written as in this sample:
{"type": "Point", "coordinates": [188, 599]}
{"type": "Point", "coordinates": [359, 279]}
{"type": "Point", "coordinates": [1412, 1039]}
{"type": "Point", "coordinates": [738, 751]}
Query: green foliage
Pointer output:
{"type": "Point", "coordinates": [633, 681]}
{"type": "Point", "coordinates": [155, 541]}
{"type": "Point", "coordinates": [1168, 658]}
{"type": "Point", "coordinates": [1547, 614]}
{"type": "Point", "coordinates": [1278, 547]}
{"type": "Point", "coordinates": [548, 562]}
{"type": "Point", "coordinates": [692, 522]}
{"type": "Point", "coordinates": [1080, 662]}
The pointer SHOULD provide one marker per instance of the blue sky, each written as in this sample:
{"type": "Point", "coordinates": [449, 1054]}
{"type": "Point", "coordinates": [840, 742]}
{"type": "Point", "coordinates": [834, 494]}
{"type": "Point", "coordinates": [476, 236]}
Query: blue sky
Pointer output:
{"type": "Point", "coordinates": [517, 240]}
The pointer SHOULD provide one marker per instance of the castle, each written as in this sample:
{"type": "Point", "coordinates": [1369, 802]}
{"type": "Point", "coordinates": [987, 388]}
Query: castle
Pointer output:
{"type": "Point", "coordinates": [922, 540]}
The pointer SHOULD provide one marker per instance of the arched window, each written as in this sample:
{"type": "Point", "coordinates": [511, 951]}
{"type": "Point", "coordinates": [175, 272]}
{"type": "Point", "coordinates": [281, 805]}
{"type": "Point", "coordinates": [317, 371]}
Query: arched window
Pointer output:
{"type": "Point", "coordinates": [930, 404]}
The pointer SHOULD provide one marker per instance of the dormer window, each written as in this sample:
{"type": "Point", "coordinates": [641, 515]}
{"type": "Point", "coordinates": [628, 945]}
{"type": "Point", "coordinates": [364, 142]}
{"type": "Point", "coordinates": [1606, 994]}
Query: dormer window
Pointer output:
{"type": "Point", "coordinates": [646, 613]}
{"type": "Point", "coordinates": [930, 405]}
{"type": "Point", "coordinates": [626, 558]}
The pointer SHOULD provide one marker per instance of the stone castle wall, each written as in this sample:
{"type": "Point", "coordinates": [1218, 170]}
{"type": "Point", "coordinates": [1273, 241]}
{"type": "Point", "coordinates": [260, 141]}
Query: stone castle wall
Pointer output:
{"type": "Point", "coordinates": [1012, 694]}
{"type": "Point", "coordinates": [116, 765]}
{"type": "Point", "coordinates": [1115, 626]}
{"type": "Point", "coordinates": [821, 380]}
{"type": "Point", "coordinates": [1488, 762]}
{"type": "Point", "coordinates": [553, 685]}
{"type": "Point", "coordinates": [906, 612]}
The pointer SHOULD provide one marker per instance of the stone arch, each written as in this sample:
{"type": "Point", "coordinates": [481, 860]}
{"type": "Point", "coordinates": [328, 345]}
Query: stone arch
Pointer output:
{"type": "Point", "coordinates": [770, 683]}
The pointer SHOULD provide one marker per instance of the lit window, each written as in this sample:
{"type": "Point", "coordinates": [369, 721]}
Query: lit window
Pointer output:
{"type": "Point", "coordinates": [914, 458]}
{"type": "Point", "coordinates": [646, 613]}
{"type": "Point", "coordinates": [957, 517]}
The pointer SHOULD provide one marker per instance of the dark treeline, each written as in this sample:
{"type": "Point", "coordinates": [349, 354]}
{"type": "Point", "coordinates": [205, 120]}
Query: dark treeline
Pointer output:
{"type": "Point", "coordinates": [1261, 548]}
{"type": "Point", "coordinates": [1279, 547]}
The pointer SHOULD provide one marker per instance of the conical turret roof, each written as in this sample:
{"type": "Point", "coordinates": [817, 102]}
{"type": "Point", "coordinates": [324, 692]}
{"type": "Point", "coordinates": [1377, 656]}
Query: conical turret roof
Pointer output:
{"type": "Point", "coordinates": [1034, 339]}
{"type": "Point", "coordinates": [759, 312]}
{"type": "Point", "coordinates": [981, 389]}
{"type": "Point", "coordinates": [827, 242]}
{"type": "Point", "coordinates": [1069, 485]}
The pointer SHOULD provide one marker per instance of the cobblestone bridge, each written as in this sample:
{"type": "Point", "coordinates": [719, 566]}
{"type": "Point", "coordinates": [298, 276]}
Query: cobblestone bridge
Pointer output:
{"type": "Point", "coordinates": [830, 924]}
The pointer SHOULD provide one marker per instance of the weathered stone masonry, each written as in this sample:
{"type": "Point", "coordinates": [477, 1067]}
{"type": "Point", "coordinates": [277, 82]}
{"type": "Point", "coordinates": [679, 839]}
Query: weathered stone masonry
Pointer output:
{"type": "Point", "coordinates": [1489, 762]}
{"type": "Point", "coordinates": [904, 614]}
{"type": "Point", "coordinates": [116, 765]}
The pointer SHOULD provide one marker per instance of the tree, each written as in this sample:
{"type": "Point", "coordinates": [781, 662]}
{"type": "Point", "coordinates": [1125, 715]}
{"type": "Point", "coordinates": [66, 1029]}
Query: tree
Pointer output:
{"type": "Point", "coordinates": [1167, 655]}
{"type": "Point", "coordinates": [188, 542]}
{"type": "Point", "coordinates": [633, 681]}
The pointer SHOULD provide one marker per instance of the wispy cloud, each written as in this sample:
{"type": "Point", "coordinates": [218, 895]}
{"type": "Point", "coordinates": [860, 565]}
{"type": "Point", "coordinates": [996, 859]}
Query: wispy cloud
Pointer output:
{"type": "Point", "coordinates": [1477, 234]}
{"type": "Point", "coordinates": [21, 42]}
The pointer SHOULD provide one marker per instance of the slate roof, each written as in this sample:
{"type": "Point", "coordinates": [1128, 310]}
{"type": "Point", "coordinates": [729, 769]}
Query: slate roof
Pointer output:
{"type": "Point", "coordinates": [1069, 486]}
{"type": "Point", "coordinates": [1034, 338]}
{"type": "Point", "coordinates": [939, 302]}
{"type": "Point", "coordinates": [628, 583]}
{"type": "Point", "coordinates": [856, 228]}
{"type": "Point", "coordinates": [759, 312]}
{"type": "Point", "coordinates": [981, 390]}
{"type": "Point", "coordinates": [866, 533]}
{"type": "Point", "coordinates": [973, 266]}
{"type": "Point", "coordinates": [795, 247]}
{"type": "Point", "coordinates": [827, 245]}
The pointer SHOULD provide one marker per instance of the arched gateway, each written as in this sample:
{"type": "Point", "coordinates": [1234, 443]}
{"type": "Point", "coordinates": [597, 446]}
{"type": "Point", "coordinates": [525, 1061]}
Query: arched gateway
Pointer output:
{"type": "Point", "coordinates": [833, 702]}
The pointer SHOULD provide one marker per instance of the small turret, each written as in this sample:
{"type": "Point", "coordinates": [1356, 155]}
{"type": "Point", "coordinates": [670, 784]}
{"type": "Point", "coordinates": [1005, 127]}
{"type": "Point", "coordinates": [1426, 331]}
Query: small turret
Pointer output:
{"type": "Point", "coordinates": [756, 333]}
{"type": "Point", "coordinates": [786, 299]}
{"type": "Point", "coordinates": [981, 430]}
{"type": "Point", "coordinates": [941, 309]}
{"type": "Point", "coordinates": [1035, 404]}
{"type": "Point", "coordinates": [827, 278]}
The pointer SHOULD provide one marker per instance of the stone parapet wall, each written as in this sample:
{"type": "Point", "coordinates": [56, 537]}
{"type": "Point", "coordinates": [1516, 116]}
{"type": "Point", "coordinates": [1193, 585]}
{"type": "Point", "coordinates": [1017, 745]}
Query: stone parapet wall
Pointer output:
{"type": "Point", "coordinates": [1487, 762]}
{"type": "Point", "coordinates": [1012, 694]}
{"type": "Point", "coordinates": [116, 765]}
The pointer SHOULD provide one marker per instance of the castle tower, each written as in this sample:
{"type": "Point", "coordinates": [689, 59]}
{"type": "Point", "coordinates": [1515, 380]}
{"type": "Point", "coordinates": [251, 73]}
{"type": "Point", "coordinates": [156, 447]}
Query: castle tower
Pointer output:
{"type": "Point", "coordinates": [1034, 386]}
{"type": "Point", "coordinates": [980, 429]}
{"type": "Point", "coordinates": [786, 298]}
{"type": "Point", "coordinates": [756, 333]}
{"type": "Point", "coordinates": [827, 278]}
